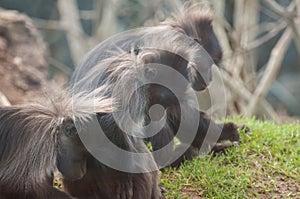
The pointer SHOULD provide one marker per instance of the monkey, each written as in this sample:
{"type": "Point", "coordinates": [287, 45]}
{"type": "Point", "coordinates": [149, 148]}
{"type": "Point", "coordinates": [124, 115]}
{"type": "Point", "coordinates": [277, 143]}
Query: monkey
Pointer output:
{"type": "Point", "coordinates": [198, 25]}
{"type": "Point", "coordinates": [102, 180]}
{"type": "Point", "coordinates": [187, 45]}
{"type": "Point", "coordinates": [184, 31]}
{"type": "Point", "coordinates": [40, 137]}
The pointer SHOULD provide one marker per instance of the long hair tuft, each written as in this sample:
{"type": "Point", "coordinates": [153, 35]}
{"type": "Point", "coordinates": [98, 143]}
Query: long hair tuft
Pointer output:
{"type": "Point", "coordinates": [30, 135]}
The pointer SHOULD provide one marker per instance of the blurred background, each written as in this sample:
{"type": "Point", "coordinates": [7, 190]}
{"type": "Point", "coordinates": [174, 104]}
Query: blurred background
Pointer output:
{"type": "Point", "coordinates": [260, 39]}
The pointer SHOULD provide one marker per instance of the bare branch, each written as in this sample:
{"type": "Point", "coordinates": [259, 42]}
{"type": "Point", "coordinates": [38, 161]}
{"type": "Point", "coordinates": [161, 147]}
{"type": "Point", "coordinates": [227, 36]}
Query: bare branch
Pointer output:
{"type": "Point", "coordinates": [271, 71]}
{"type": "Point", "coordinates": [275, 6]}
{"type": "Point", "coordinates": [287, 13]}
{"type": "Point", "coordinates": [108, 23]}
{"type": "Point", "coordinates": [70, 20]}
{"type": "Point", "coordinates": [47, 24]}
{"type": "Point", "coordinates": [242, 92]}
{"type": "Point", "coordinates": [256, 43]}
{"type": "Point", "coordinates": [219, 27]}
{"type": "Point", "coordinates": [296, 26]}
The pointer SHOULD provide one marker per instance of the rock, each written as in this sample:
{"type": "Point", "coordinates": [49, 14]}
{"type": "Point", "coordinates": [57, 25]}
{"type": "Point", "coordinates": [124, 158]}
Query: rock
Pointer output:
{"type": "Point", "coordinates": [23, 65]}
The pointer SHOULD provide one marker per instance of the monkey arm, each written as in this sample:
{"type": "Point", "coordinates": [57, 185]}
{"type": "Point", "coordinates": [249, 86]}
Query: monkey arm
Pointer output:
{"type": "Point", "coordinates": [209, 132]}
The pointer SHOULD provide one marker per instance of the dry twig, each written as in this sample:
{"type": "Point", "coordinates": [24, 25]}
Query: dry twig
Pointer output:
{"type": "Point", "coordinates": [242, 92]}
{"type": "Point", "coordinates": [70, 20]}
{"type": "Point", "coordinates": [3, 100]}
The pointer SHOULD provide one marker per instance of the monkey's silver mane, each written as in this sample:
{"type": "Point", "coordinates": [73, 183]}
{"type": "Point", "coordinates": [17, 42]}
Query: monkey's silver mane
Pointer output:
{"type": "Point", "coordinates": [119, 68]}
{"type": "Point", "coordinates": [118, 63]}
{"type": "Point", "coordinates": [29, 135]}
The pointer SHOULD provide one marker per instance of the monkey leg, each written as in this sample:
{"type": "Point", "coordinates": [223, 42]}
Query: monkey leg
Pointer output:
{"type": "Point", "coordinates": [211, 132]}
{"type": "Point", "coordinates": [208, 136]}
{"type": "Point", "coordinates": [163, 145]}
{"type": "Point", "coordinates": [220, 147]}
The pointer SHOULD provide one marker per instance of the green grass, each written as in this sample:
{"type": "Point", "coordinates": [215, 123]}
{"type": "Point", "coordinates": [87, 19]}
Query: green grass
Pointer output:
{"type": "Point", "coordinates": [265, 165]}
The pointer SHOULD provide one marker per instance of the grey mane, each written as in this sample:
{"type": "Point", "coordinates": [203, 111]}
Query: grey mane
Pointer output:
{"type": "Point", "coordinates": [29, 135]}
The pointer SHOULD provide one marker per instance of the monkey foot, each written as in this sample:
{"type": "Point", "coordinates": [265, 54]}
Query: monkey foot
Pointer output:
{"type": "Point", "coordinates": [221, 146]}
{"type": "Point", "coordinates": [243, 128]}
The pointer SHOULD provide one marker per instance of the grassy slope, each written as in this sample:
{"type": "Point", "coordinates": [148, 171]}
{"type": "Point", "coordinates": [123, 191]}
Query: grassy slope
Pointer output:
{"type": "Point", "coordinates": [265, 165]}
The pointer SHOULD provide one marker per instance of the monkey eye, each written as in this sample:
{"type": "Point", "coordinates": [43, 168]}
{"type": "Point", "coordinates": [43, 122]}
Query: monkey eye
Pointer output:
{"type": "Point", "coordinates": [136, 51]}
{"type": "Point", "coordinates": [70, 130]}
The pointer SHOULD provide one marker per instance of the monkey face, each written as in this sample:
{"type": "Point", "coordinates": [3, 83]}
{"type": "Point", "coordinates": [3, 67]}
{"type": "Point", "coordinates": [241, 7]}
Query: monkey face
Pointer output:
{"type": "Point", "coordinates": [208, 39]}
{"type": "Point", "coordinates": [198, 25]}
{"type": "Point", "coordinates": [155, 71]}
{"type": "Point", "coordinates": [71, 160]}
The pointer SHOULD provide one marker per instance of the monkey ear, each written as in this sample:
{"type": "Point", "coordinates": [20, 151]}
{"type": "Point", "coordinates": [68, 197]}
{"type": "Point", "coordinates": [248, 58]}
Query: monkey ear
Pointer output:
{"type": "Point", "coordinates": [199, 70]}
